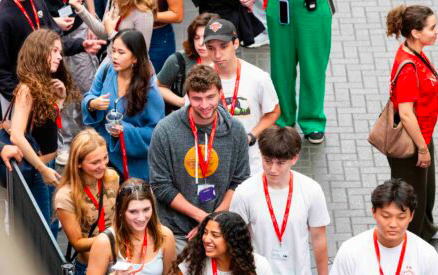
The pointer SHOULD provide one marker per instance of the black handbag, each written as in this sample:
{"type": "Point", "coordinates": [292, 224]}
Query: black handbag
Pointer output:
{"type": "Point", "coordinates": [27, 170]}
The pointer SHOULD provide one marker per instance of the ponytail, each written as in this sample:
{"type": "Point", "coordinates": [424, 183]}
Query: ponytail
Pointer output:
{"type": "Point", "coordinates": [401, 20]}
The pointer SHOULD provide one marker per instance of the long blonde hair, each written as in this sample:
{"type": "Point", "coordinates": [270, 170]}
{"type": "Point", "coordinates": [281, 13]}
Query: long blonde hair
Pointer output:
{"type": "Point", "coordinates": [85, 142]}
{"type": "Point", "coordinates": [125, 6]}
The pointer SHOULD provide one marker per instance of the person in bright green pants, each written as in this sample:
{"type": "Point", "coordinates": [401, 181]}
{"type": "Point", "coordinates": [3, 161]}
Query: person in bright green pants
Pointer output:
{"type": "Point", "coordinates": [306, 41]}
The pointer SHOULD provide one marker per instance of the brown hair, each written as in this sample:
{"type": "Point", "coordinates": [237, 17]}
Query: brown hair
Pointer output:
{"type": "Point", "coordinates": [33, 70]}
{"type": "Point", "coordinates": [135, 189]}
{"type": "Point", "coordinates": [280, 142]}
{"type": "Point", "coordinates": [125, 6]}
{"type": "Point", "coordinates": [402, 20]}
{"type": "Point", "coordinates": [85, 142]}
{"type": "Point", "coordinates": [200, 21]}
{"type": "Point", "coordinates": [200, 78]}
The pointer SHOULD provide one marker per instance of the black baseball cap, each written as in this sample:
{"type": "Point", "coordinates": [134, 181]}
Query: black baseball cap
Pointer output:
{"type": "Point", "coordinates": [219, 29]}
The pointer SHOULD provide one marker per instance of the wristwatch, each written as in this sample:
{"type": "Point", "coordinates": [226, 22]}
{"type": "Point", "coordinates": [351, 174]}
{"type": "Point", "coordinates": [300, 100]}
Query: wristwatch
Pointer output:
{"type": "Point", "coordinates": [252, 139]}
{"type": "Point", "coordinates": [89, 107]}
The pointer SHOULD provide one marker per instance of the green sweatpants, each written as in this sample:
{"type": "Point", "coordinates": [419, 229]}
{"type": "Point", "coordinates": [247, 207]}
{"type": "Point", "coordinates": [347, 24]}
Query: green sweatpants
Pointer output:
{"type": "Point", "coordinates": [306, 41]}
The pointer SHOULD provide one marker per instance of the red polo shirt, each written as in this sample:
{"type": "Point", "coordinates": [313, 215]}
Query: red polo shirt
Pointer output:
{"type": "Point", "coordinates": [425, 97]}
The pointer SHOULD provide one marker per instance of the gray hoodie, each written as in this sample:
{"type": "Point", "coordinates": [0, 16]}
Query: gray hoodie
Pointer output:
{"type": "Point", "coordinates": [172, 164]}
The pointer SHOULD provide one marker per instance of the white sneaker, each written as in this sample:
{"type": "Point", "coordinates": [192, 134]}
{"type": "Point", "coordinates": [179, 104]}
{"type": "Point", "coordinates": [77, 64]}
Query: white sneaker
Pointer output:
{"type": "Point", "coordinates": [260, 40]}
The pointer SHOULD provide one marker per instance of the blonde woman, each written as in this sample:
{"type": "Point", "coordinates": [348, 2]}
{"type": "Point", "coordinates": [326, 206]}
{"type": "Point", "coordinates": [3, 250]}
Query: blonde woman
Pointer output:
{"type": "Point", "coordinates": [119, 15]}
{"type": "Point", "coordinates": [142, 246]}
{"type": "Point", "coordinates": [77, 201]}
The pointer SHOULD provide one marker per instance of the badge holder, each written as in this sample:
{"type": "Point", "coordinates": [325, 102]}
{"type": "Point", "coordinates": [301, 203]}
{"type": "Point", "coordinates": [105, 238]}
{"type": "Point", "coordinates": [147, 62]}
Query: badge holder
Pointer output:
{"type": "Point", "coordinates": [206, 193]}
{"type": "Point", "coordinates": [65, 11]}
{"type": "Point", "coordinates": [280, 253]}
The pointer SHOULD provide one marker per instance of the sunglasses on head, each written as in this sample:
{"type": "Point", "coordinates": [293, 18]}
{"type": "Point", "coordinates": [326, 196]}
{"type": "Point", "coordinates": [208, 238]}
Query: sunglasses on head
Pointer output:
{"type": "Point", "coordinates": [135, 186]}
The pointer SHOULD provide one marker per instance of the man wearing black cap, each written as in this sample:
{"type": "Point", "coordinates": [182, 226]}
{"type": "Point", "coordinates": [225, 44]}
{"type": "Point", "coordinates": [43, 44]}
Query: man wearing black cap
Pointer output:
{"type": "Point", "coordinates": [248, 92]}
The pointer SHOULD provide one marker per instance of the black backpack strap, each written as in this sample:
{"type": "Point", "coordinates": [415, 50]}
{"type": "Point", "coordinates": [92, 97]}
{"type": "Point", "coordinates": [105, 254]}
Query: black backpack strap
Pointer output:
{"type": "Point", "coordinates": [182, 71]}
{"type": "Point", "coordinates": [110, 235]}
{"type": "Point", "coordinates": [68, 256]}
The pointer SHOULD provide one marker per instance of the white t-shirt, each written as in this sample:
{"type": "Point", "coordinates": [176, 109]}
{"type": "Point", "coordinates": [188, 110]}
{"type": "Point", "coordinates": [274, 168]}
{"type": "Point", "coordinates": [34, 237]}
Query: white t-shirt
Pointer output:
{"type": "Point", "coordinates": [357, 256]}
{"type": "Point", "coordinates": [308, 208]}
{"type": "Point", "coordinates": [256, 97]}
{"type": "Point", "coordinates": [262, 267]}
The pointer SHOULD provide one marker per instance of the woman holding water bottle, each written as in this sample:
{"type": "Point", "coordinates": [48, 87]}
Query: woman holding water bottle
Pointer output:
{"type": "Point", "coordinates": [124, 104]}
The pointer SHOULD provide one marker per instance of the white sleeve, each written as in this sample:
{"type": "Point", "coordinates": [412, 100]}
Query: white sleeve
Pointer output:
{"type": "Point", "coordinates": [262, 265]}
{"type": "Point", "coordinates": [342, 263]}
{"type": "Point", "coordinates": [318, 213]}
{"type": "Point", "coordinates": [238, 205]}
{"type": "Point", "coordinates": [268, 97]}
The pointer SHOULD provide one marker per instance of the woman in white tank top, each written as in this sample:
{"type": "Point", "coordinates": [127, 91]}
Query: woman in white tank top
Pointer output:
{"type": "Point", "coordinates": [141, 243]}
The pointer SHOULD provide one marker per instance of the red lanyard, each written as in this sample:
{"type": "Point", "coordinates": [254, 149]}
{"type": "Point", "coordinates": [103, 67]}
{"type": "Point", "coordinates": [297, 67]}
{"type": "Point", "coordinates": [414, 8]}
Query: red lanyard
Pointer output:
{"type": "Point", "coordinates": [203, 163]}
{"type": "Point", "coordinates": [37, 20]}
{"type": "Point", "coordinates": [142, 254]}
{"type": "Point", "coordinates": [198, 61]}
{"type": "Point", "coordinates": [236, 90]}
{"type": "Point", "coordinates": [118, 23]}
{"type": "Point", "coordinates": [101, 222]}
{"type": "Point", "coordinates": [58, 117]}
{"type": "Point", "coordinates": [124, 156]}
{"type": "Point", "coordinates": [265, 4]}
{"type": "Point", "coordinates": [402, 253]}
{"type": "Point", "coordinates": [214, 266]}
{"type": "Point", "coordinates": [271, 210]}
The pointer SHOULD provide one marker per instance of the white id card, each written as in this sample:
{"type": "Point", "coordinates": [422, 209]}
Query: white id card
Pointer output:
{"type": "Point", "coordinates": [65, 11]}
{"type": "Point", "coordinates": [280, 254]}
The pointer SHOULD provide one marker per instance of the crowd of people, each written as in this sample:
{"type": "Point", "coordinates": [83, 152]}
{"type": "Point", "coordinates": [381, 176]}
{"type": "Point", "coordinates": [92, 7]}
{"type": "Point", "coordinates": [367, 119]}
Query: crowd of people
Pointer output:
{"type": "Point", "coordinates": [182, 162]}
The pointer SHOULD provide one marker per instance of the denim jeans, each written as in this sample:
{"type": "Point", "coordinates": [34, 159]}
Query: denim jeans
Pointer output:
{"type": "Point", "coordinates": [162, 46]}
{"type": "Point", "coordinates": [42, 194]}
{"type": "Point", "coordinates": [80, 268]}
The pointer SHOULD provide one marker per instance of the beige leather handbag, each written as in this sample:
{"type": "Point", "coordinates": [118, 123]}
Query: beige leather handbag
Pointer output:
{"type": "Point", "coordinates": [388, 134]}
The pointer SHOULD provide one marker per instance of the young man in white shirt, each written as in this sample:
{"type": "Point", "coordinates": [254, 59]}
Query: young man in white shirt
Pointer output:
{"type": "Point", "coordinates": [283, 207]}
{"type": "Point", "coordinates": [249, 94]}
{"type": "Point", "coordinates": [389, 248]}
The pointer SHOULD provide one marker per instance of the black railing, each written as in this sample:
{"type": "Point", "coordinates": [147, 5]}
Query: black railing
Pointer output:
{"type": "Point", "coordinates": [26, 219]}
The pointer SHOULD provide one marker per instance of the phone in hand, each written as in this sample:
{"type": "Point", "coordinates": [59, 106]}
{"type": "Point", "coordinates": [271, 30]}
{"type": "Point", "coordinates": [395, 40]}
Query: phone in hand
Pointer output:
{"type": "Point", "coordinates": [284, 12]}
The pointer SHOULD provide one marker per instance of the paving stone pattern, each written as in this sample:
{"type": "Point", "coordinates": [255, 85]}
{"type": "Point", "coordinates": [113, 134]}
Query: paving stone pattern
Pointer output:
{"type": "Point", "coordinates": [357, 88]}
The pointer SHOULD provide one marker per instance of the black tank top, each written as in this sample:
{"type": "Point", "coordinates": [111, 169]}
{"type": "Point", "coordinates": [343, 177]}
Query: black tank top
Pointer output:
{"type": "Point", "coordinates": [46, 135]}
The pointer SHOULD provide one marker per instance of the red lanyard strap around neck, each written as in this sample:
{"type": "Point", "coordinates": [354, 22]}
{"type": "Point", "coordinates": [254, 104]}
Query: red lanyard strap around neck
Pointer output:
{"type": "Point", "coordinates": [213, 266]}
{"type": "Point", "coordinates": [236, 90]}
{"type": "Point", "coordinates": [271, 210]}
{"type": "Point", "coordinates": [402, 253]}
{"type": "Point", "coordinates": [101, 221]}
{"type": "Point", "coordinates": [142, 253]}
{"type": "Point", "coordinates": [124, 156]}
{"type": "Point", "coordinates": [58, 117]}
{"type": "Point", "coordinates": [37, 20]}
{"type": "Point", "coordinates": [203, 162]}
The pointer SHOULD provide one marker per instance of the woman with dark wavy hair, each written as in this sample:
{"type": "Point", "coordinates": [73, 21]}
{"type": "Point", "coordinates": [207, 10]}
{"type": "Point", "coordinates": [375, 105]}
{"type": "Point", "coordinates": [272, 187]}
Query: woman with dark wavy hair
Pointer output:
{"type": "Point", "coordinates": [222, 246]}
{"type": "Point", "coordinates": [126, 85]}
{"type": "Point", "coordinates": [140, 244]}
{"type": "Point", "coordinates": [44, 85]}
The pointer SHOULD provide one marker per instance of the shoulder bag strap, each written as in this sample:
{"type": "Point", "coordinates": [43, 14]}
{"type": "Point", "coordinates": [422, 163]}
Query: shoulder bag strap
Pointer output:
{"type": "Point", "coordinates": [110, 235]}
{"type": "Point", "coordinates": [93, 226]}
{"type": "Point", "coordinates": [399, 69]}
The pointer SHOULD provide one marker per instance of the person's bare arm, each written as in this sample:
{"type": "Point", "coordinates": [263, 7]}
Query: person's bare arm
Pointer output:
{"type": "Point", "coordinates": [319, 242]}
{"type": "Point", "coordinates": [90, 7]}
{"type": "Point", "coordinates": [170, 97]}
{"type": "Point", "coordinates": [169, 249]}
{"type": "Point", "coordinates": [181, 205]}
{"type": "Point", "coordinates": [100, 256]}
{"type": "Point", "coordinates": [225, 204]}
{"type": "Point", "coordinates": [175, 13]}
{"type": "Point", "coordinates": [72, 230]}
{"type": "Point", "coordinates": [266, 121]}
{"type": "Point", "coordinates": [410, 122]}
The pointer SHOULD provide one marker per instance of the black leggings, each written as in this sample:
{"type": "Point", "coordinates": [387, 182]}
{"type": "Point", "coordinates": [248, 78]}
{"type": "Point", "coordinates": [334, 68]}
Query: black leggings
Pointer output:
{"type": "Point", "coordinates": [423, 181]}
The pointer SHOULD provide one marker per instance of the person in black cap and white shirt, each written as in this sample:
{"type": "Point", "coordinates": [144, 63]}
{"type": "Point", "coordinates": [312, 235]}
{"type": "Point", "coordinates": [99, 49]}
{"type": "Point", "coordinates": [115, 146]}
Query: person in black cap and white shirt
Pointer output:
{"type": "Point", "coordinates": [249, 93]}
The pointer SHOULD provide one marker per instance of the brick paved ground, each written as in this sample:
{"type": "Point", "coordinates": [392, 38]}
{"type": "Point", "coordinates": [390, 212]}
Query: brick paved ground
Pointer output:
{"type": "Point", "coordinates": [357, 88]}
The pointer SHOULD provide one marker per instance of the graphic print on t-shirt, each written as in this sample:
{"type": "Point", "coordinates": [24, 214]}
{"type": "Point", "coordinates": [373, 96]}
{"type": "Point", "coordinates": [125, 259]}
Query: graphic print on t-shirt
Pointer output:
{"type": "Point", "coordinates": [190, 162]}
{"type": "Point", "coordinates": [242, 106]}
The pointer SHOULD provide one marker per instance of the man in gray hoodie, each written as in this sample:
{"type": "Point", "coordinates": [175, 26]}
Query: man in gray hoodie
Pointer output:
{"type": "Point", "coordinates": [197, 157]}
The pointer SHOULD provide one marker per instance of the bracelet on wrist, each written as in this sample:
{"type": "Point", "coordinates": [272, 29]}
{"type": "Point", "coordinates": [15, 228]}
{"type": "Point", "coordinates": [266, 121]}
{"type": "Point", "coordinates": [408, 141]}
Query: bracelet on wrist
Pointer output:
{"type": "Point", "coordinates": [89, 108]}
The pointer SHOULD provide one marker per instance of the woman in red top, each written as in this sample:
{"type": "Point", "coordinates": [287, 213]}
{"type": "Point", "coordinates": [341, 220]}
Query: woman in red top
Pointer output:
{"type": "Point", "coordinates": [417, 105]}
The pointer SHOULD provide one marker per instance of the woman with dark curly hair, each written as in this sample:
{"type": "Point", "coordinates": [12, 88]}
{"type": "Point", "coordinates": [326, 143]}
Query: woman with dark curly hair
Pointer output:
{"type": "Point", "coordinates": [127, 86]}
{"type": "Point", "coordinates": [194, 53]}
{"type": "Point", "coordinates": [222, 246]}
{"type": "Point", "coordinates": [44, 86]}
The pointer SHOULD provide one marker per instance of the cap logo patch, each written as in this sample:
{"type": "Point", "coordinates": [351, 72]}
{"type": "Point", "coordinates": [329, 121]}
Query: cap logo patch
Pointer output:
{"type": "Point", "coordinates": [215, 26]}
